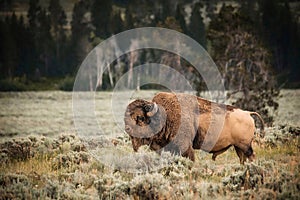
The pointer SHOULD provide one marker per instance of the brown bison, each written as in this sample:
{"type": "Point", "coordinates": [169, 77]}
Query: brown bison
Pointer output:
{"type": "Point", "coordinates": [180, 123]}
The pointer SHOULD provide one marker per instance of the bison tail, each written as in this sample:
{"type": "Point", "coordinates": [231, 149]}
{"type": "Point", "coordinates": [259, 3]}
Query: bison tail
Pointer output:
{"type": "Point", "coordinates": [262, 131]}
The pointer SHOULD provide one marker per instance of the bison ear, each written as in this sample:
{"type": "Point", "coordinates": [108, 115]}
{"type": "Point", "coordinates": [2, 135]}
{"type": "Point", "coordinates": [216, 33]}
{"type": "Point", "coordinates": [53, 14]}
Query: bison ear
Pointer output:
{"type": "Point", "coordinates": [151, 109]}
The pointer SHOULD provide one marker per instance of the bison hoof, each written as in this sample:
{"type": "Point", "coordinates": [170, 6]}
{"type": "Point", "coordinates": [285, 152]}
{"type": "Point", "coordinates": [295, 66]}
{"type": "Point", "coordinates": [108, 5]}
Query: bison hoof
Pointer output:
{"type": "Point", "coordinates": [214, 157]}
{"type": "Point", "coordinates": [252, 157]}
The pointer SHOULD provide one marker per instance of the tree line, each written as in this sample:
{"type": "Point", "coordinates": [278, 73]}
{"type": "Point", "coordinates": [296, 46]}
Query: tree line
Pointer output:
{"type": "Point", "coordinates": [42, 43]}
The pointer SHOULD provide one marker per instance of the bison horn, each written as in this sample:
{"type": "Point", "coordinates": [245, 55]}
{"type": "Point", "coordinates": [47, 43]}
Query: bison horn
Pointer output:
{"type": "Point", "coordinates": [153, 111]}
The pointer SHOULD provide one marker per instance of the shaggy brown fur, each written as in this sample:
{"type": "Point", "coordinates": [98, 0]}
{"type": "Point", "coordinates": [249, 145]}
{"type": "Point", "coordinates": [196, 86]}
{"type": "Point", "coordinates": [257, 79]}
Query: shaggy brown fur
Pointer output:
{"type": "Point", "coordinates": [184, 122]}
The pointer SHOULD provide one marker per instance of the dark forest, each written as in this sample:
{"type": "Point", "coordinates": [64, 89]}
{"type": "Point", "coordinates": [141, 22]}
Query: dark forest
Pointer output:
{"type": "Point", "coordinates": [42, 45]}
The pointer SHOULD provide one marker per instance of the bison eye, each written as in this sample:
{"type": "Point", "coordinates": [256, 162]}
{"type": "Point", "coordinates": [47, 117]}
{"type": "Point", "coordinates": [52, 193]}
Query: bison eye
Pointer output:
{"type": "Point", "coordinates": [140, 118]}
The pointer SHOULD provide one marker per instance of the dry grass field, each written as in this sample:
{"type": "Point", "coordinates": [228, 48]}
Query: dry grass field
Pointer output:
{"type": "Point", "coordinates": [42, 157]}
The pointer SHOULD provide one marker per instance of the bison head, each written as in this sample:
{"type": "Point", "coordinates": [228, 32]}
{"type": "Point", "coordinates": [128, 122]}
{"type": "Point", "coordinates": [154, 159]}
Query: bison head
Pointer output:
{"type": "Point", "coordinates": [143, 120]}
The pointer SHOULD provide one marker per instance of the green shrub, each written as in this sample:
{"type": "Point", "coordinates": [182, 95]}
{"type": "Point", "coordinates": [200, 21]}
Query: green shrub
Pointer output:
{"type": "Point", "coordinates": [11, 85]}
{"type": "Point", "coordinates": [249, 178]}
{"type": "Point", "coordinates": [150, 186]}
{"type": "Point", "coordinates": [16, 150]}
{"type": "Point", "coordinates": [24, 84]}
{"type": "Point", "coordinates": [66, 84]}
{"type": "Point", "coordinates": [17, 186]}
{"type": "Point", "coordinates": [69, 160]}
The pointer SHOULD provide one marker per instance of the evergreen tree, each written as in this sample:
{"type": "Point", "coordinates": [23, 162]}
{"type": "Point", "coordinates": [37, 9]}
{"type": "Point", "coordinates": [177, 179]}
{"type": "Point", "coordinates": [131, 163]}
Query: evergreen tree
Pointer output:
{"type": "Point", "coordinates": [80, 21]}
{"type": "Point", "coordinates": [165, 9]}
{"type": "Point", "coordinates": [117, 24]}
{"type": "Point", "coordinates": [180, 17]}
{"type": "Point", "coordinates": [248, 8]}
{"type": "Point", "coordinates": [143, 14]}
{"type": "Point", "coordinates": [58, 21]}
{"type": "Point", "coordinates": [280, 32]}
{"type": "Point", "coordinates": [24, 43]}
{"type": "Point", "coordinates": [9, 49]}
{"type": "Point", "coordinates": [101, 12]}
{"type": "Point", "coordinates": [81, 29]}
{"type": "Point", "coordinates": [15, 31]}
{"type": "Point", "coordinates": [32, 13]}
{"type": "Point", "coordinates": [6, 5]}
{"type": "Point", "coordinates": [196, 27]}
{"type": "Point", "coordinates": [12, 46]}
{"type": "Point", "coordinates": [2, 33]}
{"type": "Point", "coordinates": [129, 23]}
{"type": "Point", "coordinates": [45, 47]}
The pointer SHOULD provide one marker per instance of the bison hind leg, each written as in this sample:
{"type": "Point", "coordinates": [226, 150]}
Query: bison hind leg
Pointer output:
{"type": "Point", "coordinates": [240, 154]}
{"type": "Point", "coordinates": [250, 154]}
{"type": "Point", "coordinates": [243, 155]}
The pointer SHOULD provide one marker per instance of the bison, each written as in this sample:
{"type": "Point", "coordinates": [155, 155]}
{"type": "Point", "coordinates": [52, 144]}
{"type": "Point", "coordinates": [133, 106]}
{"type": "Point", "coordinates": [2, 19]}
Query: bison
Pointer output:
{"type": "Point", "coordinates": [180, 123]}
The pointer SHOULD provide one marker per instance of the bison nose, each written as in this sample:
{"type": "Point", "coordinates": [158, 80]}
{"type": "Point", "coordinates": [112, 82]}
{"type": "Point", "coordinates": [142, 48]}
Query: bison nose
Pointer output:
{"type": "Point", "coordinates": [128, 129]}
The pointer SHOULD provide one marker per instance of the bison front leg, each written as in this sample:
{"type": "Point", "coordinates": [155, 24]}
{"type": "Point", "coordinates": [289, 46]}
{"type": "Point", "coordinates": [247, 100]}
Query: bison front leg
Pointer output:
{"type": "Point", "coordinates": [179, 149]}
{"type": "Point", "coordinates": [189, 153]}
{"type": "Point", "coordinates": [136, 143]}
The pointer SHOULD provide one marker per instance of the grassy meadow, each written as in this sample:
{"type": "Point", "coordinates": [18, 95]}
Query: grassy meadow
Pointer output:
{"type": "Point", "coordinates": [43, 158]}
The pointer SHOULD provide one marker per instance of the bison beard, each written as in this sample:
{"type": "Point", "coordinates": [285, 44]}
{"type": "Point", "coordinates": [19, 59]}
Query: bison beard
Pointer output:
{"type": "Point", "coordinates": [180, 123]}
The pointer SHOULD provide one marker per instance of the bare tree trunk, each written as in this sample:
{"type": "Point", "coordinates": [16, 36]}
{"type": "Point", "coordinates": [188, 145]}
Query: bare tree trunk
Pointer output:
{"type": "Point", "coordinates": [99, 69]}
{"type": "Point", "coordinates": [138, 81]}
{"type": "Point", "coordinates": [129, 80]}
{"type": "Point", "coordinates": [91, 81]}
{"type": "Point", "coordinates": [133, 56]}
{"type": "Point", "coordinates": [117, 52]}
{"type": "Point", "coordinates": [111, 81]}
